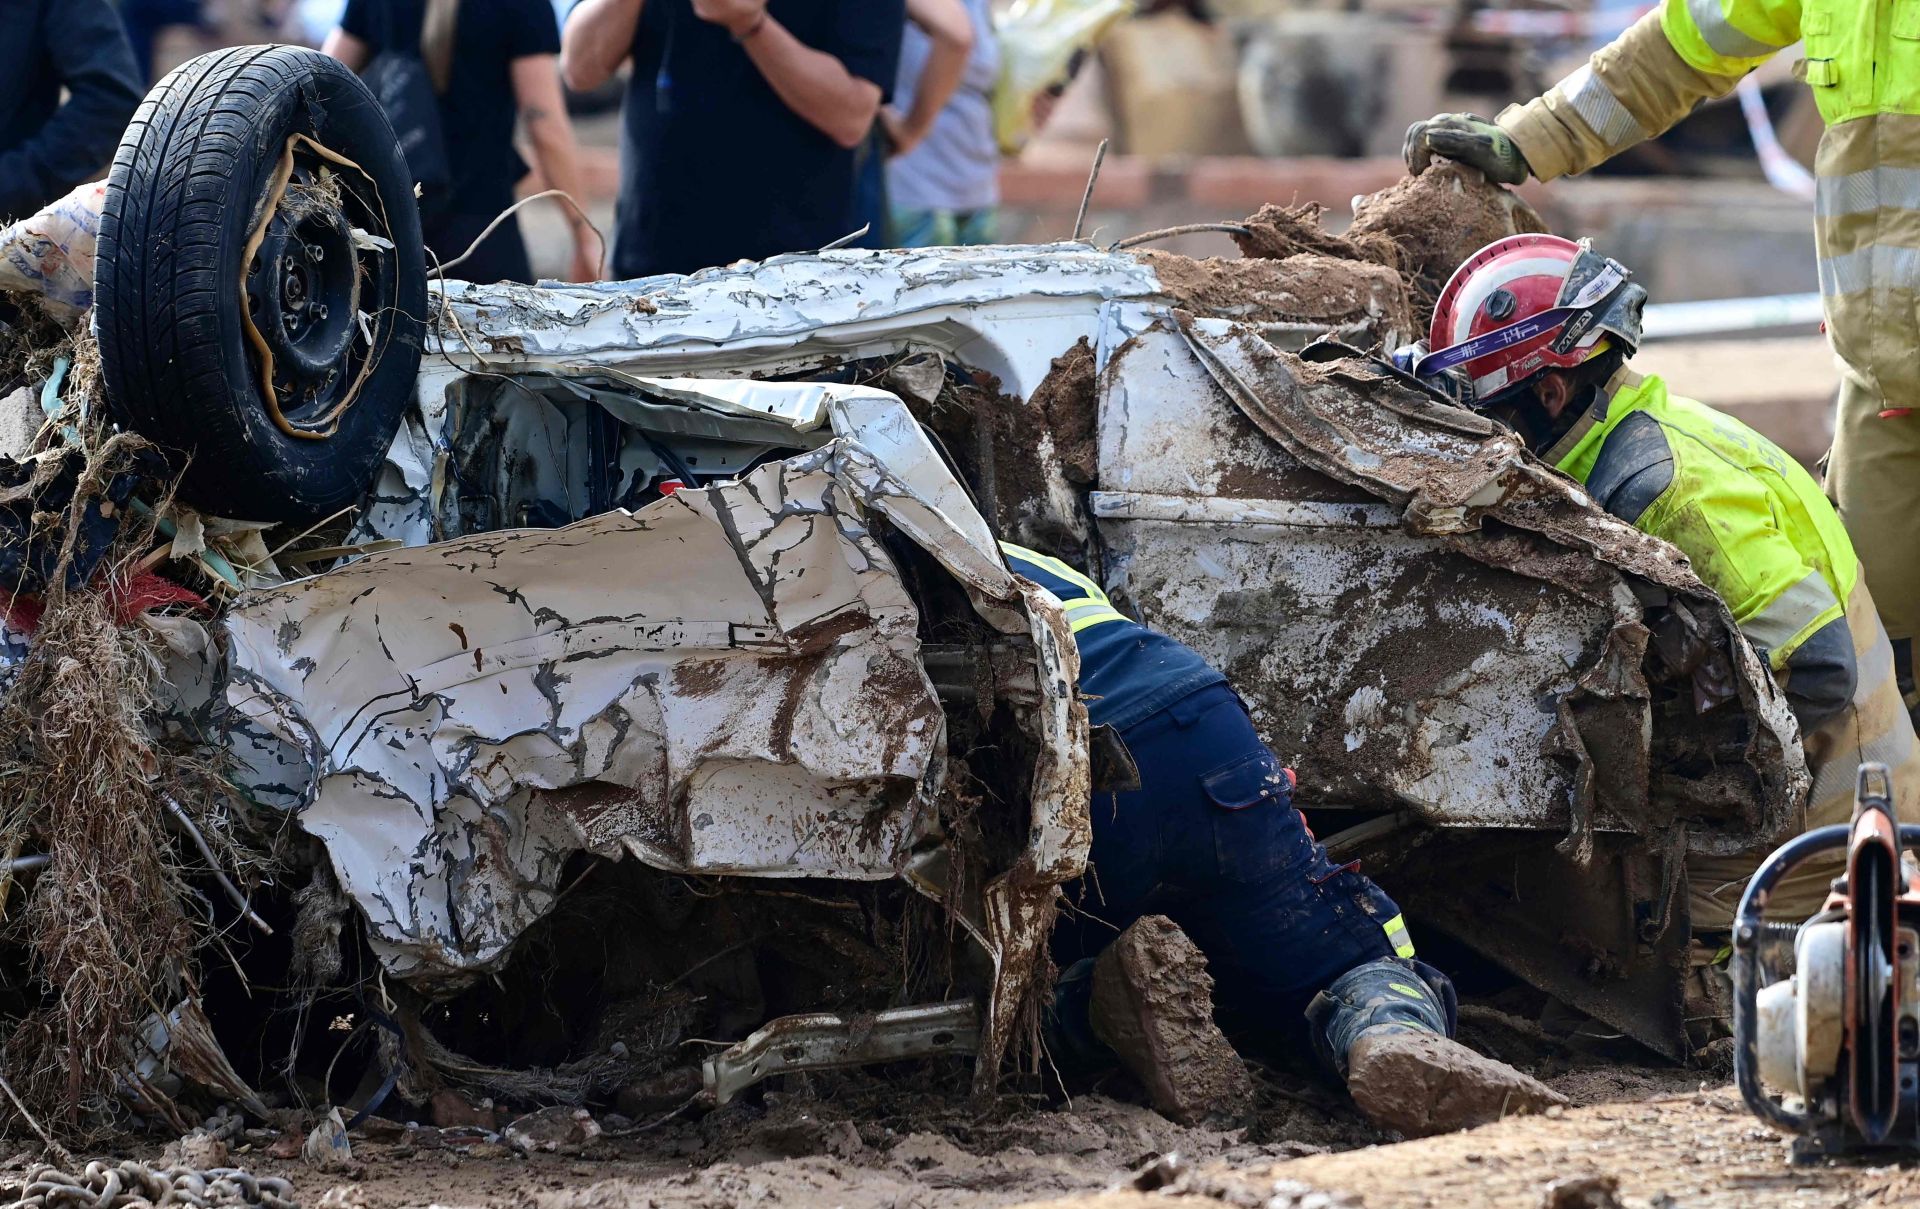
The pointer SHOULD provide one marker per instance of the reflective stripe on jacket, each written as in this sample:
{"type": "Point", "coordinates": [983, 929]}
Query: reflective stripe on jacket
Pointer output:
{"type": "Point", "coordinates": [1688, 51]}
{"type": "Point", "coordinates": [1127, 672]}
{"type": "Point", "coordinates": [1862, 63]}
{"type": "Point", "coordinates": [1751, 520]}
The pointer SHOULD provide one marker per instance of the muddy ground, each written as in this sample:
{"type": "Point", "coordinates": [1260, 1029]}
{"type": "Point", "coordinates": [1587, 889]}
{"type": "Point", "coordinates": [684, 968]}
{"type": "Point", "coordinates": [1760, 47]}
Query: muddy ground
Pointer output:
{"type": "Point", "coordinates": [1670, 1138]}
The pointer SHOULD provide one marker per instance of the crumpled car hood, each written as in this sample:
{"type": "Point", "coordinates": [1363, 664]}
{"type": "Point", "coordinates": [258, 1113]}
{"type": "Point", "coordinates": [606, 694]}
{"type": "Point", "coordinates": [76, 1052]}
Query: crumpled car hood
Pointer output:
{"type": "Point", "coordinates": [725, 681]}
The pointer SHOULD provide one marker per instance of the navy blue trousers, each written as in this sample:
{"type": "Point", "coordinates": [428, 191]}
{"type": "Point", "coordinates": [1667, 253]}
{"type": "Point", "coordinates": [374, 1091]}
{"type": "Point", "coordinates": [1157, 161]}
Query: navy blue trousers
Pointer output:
{"type": "Point", "coordinates": [1211, 839]}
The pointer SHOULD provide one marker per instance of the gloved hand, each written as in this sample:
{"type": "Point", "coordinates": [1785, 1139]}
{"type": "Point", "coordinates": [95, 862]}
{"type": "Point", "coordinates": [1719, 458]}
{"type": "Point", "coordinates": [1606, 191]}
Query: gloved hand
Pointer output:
{"type": "Point", "coordinates": [1470, 140]}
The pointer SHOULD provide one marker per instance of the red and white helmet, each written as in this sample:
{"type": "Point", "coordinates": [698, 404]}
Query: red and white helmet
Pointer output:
{"type": "Point", "coordinates": [1526, 304]}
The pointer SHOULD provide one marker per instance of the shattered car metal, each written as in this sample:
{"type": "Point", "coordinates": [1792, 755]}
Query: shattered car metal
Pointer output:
{"type": "Point", "coordinates": [725, 681]}
{"type": "Point", "coordinates": [1548, 682]}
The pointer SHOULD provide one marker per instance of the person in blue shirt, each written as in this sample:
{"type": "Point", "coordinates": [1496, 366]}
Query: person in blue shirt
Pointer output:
{"type": "Point", "coordinates": [1211, 840]}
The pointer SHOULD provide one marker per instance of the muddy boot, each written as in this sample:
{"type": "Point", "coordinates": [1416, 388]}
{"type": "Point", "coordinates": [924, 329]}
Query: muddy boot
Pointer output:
{"type": "Point", "coordinates": [1153, 1005]}
{"type": "Point", "coordinates": [1423, 1083]}
{"type": "Point", "coordinates": [1384, 1029]}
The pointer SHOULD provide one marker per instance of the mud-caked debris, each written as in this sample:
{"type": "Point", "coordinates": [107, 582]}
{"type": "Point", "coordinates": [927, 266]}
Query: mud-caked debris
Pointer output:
{"type": "Point", "coordinates": [1153, 1005]}
{"type": "Point", "coordinates": [1582, 1192]}
{"type": "Point", "coordinates": [649, 1097]}
{"type": "Point", "coordinates": [1437, 220]}
{"type": "Point", "coordinates": [200, 1149]}
{"type": "Point", "coordinates": [1420, 1084]}
{"type": "Point", "coordinates": [450, 1109]}
{"type": "Point", "coordinates": [328, 1147]}
{"type": "Point", "coordinates": [1334, 292]}
{"type": "Point", "coordinates": [1422, 228]}
{"type": "Point", "coordinates": [557, 1130]}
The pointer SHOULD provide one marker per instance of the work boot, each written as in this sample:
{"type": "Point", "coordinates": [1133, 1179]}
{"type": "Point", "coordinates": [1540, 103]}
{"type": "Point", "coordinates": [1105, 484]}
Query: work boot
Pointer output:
{"type": "Point", "coordinates": [1419, 1083]}
{"type": "Point", "coordinates": [1384, 1028]}
{"type": "Point", "coordinates": [1153, 1006]}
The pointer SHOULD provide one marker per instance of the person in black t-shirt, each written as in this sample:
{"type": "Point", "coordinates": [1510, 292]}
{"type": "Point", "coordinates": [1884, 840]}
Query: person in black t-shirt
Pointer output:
{"type": "Point", "coordinates": [67, 87]}
{"type": "Point", "coordinates": [502, 65]}
{"type": "Point", "coordinates": [741, 120]}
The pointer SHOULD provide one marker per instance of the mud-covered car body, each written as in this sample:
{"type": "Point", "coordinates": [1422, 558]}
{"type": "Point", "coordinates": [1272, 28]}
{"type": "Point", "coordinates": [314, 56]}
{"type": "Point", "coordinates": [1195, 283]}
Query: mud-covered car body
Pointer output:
{"type": "Point", "coordinates": [734, 679]}
{"type": "Point", "coordinates": [1527, 711]}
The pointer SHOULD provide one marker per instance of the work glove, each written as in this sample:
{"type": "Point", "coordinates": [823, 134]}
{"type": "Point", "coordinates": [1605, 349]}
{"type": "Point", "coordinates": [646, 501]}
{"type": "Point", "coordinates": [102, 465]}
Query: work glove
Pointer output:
{"type": "Point", "coordinates": [1470, 140]}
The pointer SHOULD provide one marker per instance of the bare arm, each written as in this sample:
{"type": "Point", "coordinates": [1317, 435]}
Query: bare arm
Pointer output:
{"type": "Point", "coordinates": [536, 91]}
{"type": "Point", "coordinates": [812, 83]}
{"type": "Point", "coordinates": [598, 38]}
{"type": "Point", "coordinates": [348, 49]}
{"type": "Point", "coordinates": [947, 24]}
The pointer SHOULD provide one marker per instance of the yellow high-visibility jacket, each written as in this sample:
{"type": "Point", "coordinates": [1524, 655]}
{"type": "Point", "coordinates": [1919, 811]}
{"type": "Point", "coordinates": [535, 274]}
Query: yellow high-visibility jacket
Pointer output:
{"type": "Point", "coordinates": [1862, 64]}
{"type": "Point", "coordinates": [1751, 520]}
{"type": "Point", "coordinates": [1759, 532]}
{"type": "Point", "coordinates": [1862, 61]}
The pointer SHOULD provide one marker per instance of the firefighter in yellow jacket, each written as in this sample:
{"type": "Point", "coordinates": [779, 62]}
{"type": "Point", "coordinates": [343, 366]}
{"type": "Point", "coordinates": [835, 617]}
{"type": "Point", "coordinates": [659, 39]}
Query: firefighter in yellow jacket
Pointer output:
{"type": "Point", "coordinates": [1536, 330]}
{"type": "Point", "coordinates": [1863, 65]}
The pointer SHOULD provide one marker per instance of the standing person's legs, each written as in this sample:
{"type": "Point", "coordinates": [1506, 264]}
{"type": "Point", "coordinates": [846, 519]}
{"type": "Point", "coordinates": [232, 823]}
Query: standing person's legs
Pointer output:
{"type": "Point", "coordinates": [1873, 322]}
{"type": "Point", "coordinates": [1874, 477]}
{"type": "Point", "coordinates": [922, 229]}
{"type": "Point", "coordinates": [502, 257]}
{"type": "Point", "coordinates": [975, 227]}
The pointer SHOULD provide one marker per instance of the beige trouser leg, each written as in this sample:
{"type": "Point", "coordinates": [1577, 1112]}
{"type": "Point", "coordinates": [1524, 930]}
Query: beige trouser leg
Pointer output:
{"type": "Point", "coordinates": [1867, 233]}
{"type": "Point", "coordinates": [1875, 727]}
{"type": "Point", "coordinates": [1874, 477]}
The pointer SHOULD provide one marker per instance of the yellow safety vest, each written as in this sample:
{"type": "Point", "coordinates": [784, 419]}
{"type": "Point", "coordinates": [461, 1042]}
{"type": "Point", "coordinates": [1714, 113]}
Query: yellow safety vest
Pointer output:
{"type": "Point", "coordinates": [1751, 520]}
{"type": "Point", "coordinates": [1862, 56]}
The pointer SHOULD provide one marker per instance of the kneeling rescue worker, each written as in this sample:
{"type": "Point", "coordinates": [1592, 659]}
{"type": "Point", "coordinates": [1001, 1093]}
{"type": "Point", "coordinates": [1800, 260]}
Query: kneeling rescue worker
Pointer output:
{"type": "Point", "coordinates": [1861, 62]}
{"type": "Point", "coordinates": [1296, 944]}
{"type": "Point", "coordinates": [1540, 329]}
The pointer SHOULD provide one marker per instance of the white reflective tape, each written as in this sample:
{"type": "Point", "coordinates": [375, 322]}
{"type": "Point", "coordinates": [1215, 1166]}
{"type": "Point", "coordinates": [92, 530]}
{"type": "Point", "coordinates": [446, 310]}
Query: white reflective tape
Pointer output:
{"type": "Point", "coordinates": [1873, 671]}
{"type": "Point", "coordinates": [1487, 385]}
{"type": "Point", "coordinates": [1875, 268]}
{"type": "Point", "coordinates": [1790, 613]}
{"type": "Point", "coordinates": [1865, 192]}
{"type": "Point", "coordinates": [1721, 36]}
{"type": "Point", "coordinates": [1600, 109]}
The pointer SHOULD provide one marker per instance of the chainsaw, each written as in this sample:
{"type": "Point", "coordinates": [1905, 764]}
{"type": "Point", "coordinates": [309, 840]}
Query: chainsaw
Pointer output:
{"type": "Point", "coordinates": [1831, 1054]}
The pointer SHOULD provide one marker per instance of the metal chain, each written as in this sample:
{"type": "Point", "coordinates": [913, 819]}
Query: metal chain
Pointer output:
{"type": "Point", "coordinates": [130, 1184]}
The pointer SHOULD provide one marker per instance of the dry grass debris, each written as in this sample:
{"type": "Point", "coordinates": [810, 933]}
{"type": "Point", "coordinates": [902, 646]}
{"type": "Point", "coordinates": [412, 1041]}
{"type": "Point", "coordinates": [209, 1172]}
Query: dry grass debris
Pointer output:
{"type": "Point", "coordinates": [112, 923]}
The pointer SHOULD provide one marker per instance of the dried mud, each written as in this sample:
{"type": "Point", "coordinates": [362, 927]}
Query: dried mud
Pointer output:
{"type": "Point", "coordinates": [1068, 400]}
{"type": "Point", "coordinates": [1304, 287]}
{"type": "Point", "coordinates": [830, 1142]}
{"type": "Point", "coordinates": [1437, 220]}
{"type": "Point", "coordinates": [1423, 227]}
{"type": "Point", "coordinates": [1153, 1004]}
{"type": "Point", "coordinates": [1702, 1150]}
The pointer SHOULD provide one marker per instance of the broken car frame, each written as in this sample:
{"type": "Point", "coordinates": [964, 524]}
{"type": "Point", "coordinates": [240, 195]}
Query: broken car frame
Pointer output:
{"type": "Point", "coordinates": [703, 571]}
{"type": "Point", "coordinates": [1553, 712]}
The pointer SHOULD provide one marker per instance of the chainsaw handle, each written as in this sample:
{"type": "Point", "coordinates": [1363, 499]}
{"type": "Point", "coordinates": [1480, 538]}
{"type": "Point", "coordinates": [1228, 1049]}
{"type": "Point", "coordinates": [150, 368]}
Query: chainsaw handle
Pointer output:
{"type": "Point", "coordinates": [1749, 925]}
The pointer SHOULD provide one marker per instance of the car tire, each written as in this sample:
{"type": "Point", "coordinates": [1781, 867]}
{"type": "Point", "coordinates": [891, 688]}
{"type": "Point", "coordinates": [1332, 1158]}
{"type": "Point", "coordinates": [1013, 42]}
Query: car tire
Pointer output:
{"type": "Point", "coordinates": [202, 290]}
